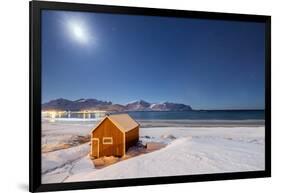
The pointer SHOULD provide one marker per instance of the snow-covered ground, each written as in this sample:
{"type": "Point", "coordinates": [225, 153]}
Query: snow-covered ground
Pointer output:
{"type": "Point", "coordinates": [59, 135]}
{"type": "Point", "coordinates": [189, 150]}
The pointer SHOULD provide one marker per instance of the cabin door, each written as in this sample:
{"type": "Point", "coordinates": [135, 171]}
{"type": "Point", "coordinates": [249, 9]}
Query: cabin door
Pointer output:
{"type": "Point", "coordinates": [95, 147]}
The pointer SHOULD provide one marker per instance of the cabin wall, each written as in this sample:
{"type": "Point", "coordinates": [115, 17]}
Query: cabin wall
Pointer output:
{"type": "Point", "coordinates": [132, 137]}
{"type": "Point", "coordinates": [108, 129]}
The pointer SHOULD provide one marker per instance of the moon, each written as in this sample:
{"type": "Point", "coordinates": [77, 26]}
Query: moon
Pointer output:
{"type": "Point", "coordinates": [78, 31]}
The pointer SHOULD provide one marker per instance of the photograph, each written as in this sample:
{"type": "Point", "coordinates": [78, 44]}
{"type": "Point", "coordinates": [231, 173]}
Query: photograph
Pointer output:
{"type": "Point", "coordinates": [127, 96]}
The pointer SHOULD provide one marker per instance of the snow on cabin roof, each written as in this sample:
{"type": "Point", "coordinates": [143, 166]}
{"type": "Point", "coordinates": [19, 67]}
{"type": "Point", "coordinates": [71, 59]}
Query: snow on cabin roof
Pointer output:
{"type": "Point", "coordinates": [123, 121]}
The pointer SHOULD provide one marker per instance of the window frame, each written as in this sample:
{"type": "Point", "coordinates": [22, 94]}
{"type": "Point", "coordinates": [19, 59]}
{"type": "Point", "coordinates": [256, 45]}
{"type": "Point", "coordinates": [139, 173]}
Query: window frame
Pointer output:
{"type": "Point", "coordinates": [107, 138]}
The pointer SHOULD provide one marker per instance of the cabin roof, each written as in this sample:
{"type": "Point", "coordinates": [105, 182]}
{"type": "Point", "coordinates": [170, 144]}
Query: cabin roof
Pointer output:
{"type": "Point", "coordinates": [123, 121]}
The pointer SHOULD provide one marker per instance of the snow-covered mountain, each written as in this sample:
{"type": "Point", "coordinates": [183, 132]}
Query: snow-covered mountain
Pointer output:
{"type": "Point", "coordinates": [76, 105]}
{"type": "Point", "coordinates": [167, 106]}
{"type": "Point", "coordinates": [94, 104]}
{"type": "Point", "coordinates": [142, 105]}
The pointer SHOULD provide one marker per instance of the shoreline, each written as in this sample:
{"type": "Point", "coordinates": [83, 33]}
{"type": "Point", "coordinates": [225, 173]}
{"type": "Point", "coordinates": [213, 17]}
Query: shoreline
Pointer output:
{"type": "Point", "coordinates": [144, 123]}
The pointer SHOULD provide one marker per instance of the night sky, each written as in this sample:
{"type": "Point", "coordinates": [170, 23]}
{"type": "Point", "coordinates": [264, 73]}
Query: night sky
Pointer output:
{"type": "Point", "coordinates": [208, 64]}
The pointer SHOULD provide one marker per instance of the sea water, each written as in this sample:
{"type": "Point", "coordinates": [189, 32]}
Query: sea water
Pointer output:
{"type": "Point", "coordinates": [193, 115]}
{"type": "Point", "coordinates": [200, 115]}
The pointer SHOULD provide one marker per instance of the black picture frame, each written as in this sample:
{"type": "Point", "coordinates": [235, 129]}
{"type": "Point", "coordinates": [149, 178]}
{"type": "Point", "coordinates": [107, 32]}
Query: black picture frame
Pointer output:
{"type": "Point", "coordinates": [36, 7]}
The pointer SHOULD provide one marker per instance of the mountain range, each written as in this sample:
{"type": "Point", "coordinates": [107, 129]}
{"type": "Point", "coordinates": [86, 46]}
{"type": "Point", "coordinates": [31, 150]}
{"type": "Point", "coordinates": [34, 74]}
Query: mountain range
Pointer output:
{"type": "Point", "coordinates": [94, 104]}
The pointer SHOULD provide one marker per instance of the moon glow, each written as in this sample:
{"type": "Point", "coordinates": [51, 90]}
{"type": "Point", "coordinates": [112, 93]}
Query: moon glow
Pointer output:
{"type": "Point", "coordinates": [78, 31]}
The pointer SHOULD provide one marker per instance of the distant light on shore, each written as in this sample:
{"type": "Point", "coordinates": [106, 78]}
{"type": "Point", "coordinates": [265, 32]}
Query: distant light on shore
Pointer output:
{"type": "Point", "coordinates": [53, 115]}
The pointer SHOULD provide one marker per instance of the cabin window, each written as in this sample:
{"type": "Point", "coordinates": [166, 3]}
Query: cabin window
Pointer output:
{"type": "Point", "coordinates": [107, 140]}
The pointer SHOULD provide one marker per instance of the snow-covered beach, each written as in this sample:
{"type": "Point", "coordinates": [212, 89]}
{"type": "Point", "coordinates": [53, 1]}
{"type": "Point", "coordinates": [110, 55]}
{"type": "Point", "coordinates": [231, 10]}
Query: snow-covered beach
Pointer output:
{"type": "Point", "coordinates": [212, 148]}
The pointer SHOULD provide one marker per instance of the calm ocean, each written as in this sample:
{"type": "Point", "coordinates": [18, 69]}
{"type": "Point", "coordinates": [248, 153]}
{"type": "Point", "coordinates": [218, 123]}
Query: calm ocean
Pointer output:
{"type": "Point", "coordinates": [201, 115]}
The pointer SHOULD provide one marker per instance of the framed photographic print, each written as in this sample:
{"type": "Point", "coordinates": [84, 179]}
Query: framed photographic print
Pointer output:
{"type": "Point", "coordinates": [126, 96]}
